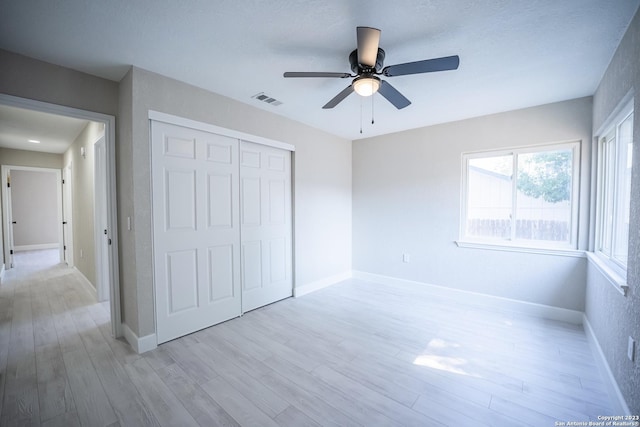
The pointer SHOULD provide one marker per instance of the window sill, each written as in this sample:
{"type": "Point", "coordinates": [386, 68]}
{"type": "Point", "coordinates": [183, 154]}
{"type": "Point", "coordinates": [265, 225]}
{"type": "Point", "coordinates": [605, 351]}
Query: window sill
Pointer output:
{"type": "Point", "coordinates": [614, 277]}
{"type": "Point", "coordinates": [513, 248]}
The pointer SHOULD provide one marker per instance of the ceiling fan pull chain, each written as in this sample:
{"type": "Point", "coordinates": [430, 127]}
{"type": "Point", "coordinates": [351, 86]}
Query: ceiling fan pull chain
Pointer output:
{"type": "Point", "coordinates": [360, 115]}
{"type": "Point", "coordinates": [372, 110]}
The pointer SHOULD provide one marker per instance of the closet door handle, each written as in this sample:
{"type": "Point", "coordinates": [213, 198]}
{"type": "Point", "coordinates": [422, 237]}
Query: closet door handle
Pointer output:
{"type": "Point", "coordinates": [14, 222]}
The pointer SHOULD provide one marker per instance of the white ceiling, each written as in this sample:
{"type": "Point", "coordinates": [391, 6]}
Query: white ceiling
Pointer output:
{"type": "Point", "coordinates": [513, 53]}
{"type": "Point", "coordinates": [55, 133]}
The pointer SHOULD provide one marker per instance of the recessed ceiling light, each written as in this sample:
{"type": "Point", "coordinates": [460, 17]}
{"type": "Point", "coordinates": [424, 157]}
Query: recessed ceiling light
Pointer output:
{"type": "Point", "coordinates": [35, 141]}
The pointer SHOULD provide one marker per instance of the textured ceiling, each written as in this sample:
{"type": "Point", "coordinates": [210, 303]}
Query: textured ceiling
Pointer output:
{"type": "Point", "coordinates": [55, 133]}
{"type": "Point", "coordinates": [513, 54]}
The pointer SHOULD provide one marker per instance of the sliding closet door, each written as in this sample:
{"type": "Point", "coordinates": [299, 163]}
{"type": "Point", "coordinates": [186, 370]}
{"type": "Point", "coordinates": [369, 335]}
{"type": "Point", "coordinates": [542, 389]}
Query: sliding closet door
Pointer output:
{"type": "Point", "coordinates": [196, 231]}
{"type": "Point", "coordinates": [265, 216]}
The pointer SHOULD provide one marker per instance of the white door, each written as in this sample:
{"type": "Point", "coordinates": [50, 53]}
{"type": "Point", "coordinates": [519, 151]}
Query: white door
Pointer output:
{"type": "Point", "coordinates": [265, 216]}
{"type": "Point", "coordinates": [67, 208]}
{"type": "Point", "coordinates": [100, 221]}
{"type": "Point", "coordinates": [196, 233]}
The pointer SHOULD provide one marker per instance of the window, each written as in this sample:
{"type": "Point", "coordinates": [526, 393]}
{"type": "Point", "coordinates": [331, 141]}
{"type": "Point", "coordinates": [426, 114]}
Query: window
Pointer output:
{"type": "Point", "coordinates": [613, 181]}
{"type": "Point", "coordinates": [522, 197]}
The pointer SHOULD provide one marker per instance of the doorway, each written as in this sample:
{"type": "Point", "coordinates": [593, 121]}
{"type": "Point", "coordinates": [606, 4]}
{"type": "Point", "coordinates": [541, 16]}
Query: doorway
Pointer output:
{"type": "Point", "coordinates": [32, 208]}
{"type": "Point", "coordinates": [106, 256]}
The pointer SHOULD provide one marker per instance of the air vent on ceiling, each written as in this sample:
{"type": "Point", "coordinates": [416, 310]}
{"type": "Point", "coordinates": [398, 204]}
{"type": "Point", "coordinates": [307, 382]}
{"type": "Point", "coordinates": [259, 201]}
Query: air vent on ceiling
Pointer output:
{"type": "Point", "coordinates": [266, 98]}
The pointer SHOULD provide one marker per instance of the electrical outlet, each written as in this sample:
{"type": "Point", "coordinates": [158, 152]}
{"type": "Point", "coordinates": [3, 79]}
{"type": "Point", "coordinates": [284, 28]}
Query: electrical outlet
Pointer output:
{"type": "Point", "coordinates": [406, 258]}
{"type": "Point", "coordinates": [631, 349]}
{"type": "Point", "coordinates": [81, 254]}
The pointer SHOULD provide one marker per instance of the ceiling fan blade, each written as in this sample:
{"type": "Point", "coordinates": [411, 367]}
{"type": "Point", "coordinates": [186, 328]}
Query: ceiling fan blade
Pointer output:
{"type": "Point", "coordinates": [426, 66]}
{"type": "Point", "coordinates": [368, 43]}
{"type": "Point", "coordinates": [393, 96]}
{"type": "Point", "coordinates": [339, 97]}
{"type": "Point", "coordinates": [316, 74]}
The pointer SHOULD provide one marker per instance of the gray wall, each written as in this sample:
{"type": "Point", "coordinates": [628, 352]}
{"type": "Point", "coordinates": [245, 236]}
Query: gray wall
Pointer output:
{"type": "Point", "coordinates": [124, 180]}
{"type": "Point", "coordinates": [34, 204]}
{"type": "Point", "coordinates": [406, 199]}
{"type": "Point", "coordinates": [33, 79]}
{"type": "Point", "coordinates": [612, 316]}
{"type": "Point", "coordinates": [12, 157]}
{"type": "Point", "coordinates": [82, 186]}
{"type": "Point", "coordinates": [322, 176]}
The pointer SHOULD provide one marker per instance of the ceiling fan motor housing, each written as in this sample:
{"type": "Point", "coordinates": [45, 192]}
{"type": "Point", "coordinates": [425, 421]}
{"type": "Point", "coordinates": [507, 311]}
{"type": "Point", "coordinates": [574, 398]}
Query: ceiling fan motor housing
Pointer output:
{"type": "Point", "coordinates": [360, 69]}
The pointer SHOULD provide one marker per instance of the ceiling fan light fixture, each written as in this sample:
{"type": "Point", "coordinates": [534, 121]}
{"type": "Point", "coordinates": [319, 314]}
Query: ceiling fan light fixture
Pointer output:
{"type": "Point", "coordinates": [366, 85]}
{"type": "Point", "coordinates": [367, 63]}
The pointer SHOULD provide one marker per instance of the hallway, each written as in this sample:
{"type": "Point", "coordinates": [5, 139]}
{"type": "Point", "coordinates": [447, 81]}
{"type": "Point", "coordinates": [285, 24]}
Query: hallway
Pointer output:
{"type": "Point", "coordinates": [49, 323]}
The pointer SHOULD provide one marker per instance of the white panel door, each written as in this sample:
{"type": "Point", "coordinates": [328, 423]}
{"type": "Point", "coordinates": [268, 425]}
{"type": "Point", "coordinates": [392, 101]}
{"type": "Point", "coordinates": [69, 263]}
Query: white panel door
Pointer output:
{"type": "Point", "coordinates": [196, 230]}
{"type": "Point", "coordinates": [265, 215]}
{"type": "Point", "coordinates": [67, 209]}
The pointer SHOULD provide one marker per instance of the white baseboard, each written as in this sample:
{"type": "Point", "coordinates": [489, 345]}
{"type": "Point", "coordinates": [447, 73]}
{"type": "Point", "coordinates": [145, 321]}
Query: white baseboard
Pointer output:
{"type": "Point", "coordinates": [140, 345]}
{"type": "Point", "coordinates": [87, 285]}
{"type": "Point", "coordinates": [506, 304]}
{"type": "Point", "coordinates": [307, 288]}
{"type": "Point", "coordinates": [23, 248]}
{"type": "Point", "coordinates": [615, 394]}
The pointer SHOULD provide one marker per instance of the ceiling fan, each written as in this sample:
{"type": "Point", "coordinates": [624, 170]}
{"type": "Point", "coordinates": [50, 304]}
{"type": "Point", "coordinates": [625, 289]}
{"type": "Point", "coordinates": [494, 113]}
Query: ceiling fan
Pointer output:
{"type": "Point", "coordinates": [367, 61]}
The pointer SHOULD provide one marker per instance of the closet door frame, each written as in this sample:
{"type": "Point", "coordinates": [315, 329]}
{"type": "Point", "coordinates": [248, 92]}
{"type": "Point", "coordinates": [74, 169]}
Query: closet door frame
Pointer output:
{"type": "Point", "coordinates": [206, 127]}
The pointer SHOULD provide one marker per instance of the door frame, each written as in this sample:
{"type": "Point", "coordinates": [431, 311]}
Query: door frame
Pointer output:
{"type": "Point", "coordinates": [99, 219]}
{"type": "Point", "coordinates": [7, 207]}
{"type": "Point", "coordinates": [7, 220]}
{"type": "Point", "coordinates": [112, 214]}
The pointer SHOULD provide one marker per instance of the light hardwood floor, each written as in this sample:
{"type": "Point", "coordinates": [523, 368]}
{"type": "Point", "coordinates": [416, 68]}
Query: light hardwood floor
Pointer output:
{"type": "Point", "coordinates": [355, 354]}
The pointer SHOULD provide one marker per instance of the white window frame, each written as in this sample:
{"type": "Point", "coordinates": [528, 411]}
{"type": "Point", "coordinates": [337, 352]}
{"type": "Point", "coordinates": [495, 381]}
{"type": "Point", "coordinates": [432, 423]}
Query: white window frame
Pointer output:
{"type": "Point", "coordinates": [522, 245]}
{"type": "Point", "coordinates": [615, 269]}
